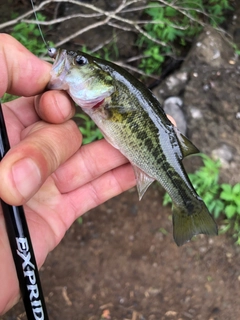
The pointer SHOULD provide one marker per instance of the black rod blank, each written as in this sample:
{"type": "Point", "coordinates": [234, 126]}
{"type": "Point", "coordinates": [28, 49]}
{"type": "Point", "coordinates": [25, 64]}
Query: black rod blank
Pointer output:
{"type": "Point", "coordinates": [21, 246]}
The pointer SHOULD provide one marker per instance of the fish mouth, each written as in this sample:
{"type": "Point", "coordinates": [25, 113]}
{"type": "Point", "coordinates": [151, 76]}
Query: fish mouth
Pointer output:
{"type": "Point", "coordinates": [60, 70]}
{"type": "Point", "coordinates": [82, 84]}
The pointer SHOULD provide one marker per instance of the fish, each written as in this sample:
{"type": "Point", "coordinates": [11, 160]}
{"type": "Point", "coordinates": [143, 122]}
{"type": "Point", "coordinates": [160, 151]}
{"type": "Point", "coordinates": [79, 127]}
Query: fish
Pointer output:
{"type": "Point", "coordinates": [133, 121]}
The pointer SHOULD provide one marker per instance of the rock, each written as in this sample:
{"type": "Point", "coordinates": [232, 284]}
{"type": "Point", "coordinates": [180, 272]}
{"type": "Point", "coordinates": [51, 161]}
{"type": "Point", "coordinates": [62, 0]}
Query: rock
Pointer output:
{"type": "Point", "coordinates": [212, 102]}
{"type": "Point", "coordinates": [195, 112]}
{"type": "Point", "coordinates": [210, 48]}
{"type": "Point", "coordinates": [210, 91]}
{"type": "Point", "coordinates": [171, 313]}
{"type": "Point", "coordinates": [173, 107]}
{"type": "Point", "coordinates": [173, 85]}
{"type": "Point", "coordinates": [224, 153]}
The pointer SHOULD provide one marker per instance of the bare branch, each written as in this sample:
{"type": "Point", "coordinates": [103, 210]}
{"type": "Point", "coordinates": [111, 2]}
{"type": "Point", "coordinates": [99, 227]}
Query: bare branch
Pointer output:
{"type": "Point", "coordinates": [16, 20]}
{"type": "Point", "coordinates": [116, 19]}
{"type": "Point", "coordinates": [136, 70]}
{"type": "Point", "coordinates": [101, 45]}
{"type": "Point", "coordinates": [117, 26]}
{"type": "Point", "coordinates": [112, 18]}
{"type": "Point", "coordinates": [63, 19]}
{"type": "Point", "coordinates": [74, 35]}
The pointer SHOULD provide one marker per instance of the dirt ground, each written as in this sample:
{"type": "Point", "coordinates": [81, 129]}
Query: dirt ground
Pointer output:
{"type": "Point", "coordinates": [121, 262]}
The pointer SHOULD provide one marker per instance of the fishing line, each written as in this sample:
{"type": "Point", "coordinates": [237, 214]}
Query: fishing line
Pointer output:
{"type": "Point", "coordinates": [39, 28]}
{"type": "Point", "coordinates": [51, 51]}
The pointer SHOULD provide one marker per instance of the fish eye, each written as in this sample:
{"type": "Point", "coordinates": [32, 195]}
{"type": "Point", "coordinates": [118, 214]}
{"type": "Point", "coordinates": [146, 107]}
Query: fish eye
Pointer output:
{"type": "Point", "coordinates": [81, 60]}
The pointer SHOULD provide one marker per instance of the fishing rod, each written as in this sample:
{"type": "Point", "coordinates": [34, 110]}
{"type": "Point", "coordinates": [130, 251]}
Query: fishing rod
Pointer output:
{"type": "Point", "coordinates": [21, 247]}
{"type": "Point", "coordinates": [20, 240]}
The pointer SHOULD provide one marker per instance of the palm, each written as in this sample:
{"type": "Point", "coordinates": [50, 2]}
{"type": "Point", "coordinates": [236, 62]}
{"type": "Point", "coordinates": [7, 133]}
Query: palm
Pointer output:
{"type": "Point", "coordinates": [46, 215]}
{"type": "Point", "coordinates": [81, 183]}
{"type": "Point", "coordinates": [86, 178]}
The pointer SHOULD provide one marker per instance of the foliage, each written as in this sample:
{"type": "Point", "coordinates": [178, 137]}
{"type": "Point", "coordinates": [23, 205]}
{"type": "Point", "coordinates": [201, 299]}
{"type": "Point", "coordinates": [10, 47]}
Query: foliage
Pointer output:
{"type": "Point", "coordinates": [89, 130]}
{"type": "Point", "coordinates": [8, 97]}
{"type": "Point", "coordinates": [205, 181]}
{"type": "Point", "coordinates": [231, 197]}
{"type": "Point", "coordinates": [80, 220]}
{"type": "Point", "coordinates": [29, 35]}
{"type": "Point", "coordinates": [178, 23]}
{"type": "Point", "coordinates": [236, 49]}
{"type": "Point", "coordinates": [221, 199]}
{"type": "Point", "coordinates": [107, 52]}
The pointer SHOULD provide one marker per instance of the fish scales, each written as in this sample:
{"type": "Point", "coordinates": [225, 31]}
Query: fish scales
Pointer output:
{"type": "Point", "coordinates": [133, 121]}
{"type": "Point", "coordinates": [135, 131]}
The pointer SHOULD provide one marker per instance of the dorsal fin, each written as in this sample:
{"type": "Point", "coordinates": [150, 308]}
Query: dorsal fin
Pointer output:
{"type": "Point", "coordinates": [186, 146]}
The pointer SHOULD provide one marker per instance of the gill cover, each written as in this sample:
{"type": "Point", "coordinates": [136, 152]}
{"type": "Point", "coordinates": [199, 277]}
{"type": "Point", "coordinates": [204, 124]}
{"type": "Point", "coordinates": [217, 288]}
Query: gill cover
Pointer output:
{"type": "Point", "coordinates": [81, 76]}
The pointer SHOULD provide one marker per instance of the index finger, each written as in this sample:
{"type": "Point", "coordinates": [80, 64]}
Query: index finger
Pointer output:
{"type": "Point", "coordinates": [22, 73]}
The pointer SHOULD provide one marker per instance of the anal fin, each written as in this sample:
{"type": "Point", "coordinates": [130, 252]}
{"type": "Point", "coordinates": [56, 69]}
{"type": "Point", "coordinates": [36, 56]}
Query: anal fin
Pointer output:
{"type": "Point", "coordinates": [143, 181]}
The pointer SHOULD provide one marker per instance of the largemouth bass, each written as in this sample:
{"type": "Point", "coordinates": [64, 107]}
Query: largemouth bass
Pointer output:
{"type": "Point", "coordinates": [132, 120]}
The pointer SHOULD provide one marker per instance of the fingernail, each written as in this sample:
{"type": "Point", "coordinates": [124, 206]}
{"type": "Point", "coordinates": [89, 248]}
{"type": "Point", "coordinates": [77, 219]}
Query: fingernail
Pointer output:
{"type": "Point", "coordinates": [26, 176]}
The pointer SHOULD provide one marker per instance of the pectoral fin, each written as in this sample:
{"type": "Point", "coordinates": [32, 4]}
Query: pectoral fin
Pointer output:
{"type": "Point", "coordinates": [143, 181]}
{"type": "Point", "coordinates": [186, 146]}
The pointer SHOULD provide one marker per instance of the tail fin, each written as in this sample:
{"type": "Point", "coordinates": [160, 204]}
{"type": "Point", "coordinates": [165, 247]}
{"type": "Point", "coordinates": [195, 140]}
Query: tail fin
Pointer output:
{"type": "Point", "coordinates": [186, 224]}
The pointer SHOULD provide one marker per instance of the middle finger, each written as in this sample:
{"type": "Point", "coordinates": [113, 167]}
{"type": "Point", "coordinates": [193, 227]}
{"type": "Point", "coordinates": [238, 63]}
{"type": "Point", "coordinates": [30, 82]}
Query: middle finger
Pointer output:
{"type": "Point", "coordinates": [90, 162]}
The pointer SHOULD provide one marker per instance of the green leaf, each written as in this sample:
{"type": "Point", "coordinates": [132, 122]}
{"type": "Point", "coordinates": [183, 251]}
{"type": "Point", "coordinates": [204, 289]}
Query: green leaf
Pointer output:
{"type": "Point", "coordinates": [166, 199]}
{"type": "Point", "coordinates": [225, 228]}
{"type": "Point", "coordinates": [170, 34]}
{"type": "Point", "coordinates": [80, 220]}
{"type": "Point", "coordinates": [230, 211]}
{"type": "Point", "coordinates": [170, 12]}
{"type": "Point", "coordinates": [163, 231]}
{"type": "Point", "coordinates": [236, 189]}
{"type": "Point", "coordinates": [219, 208]}
{"type": "Point", "coordinates": [226, 187]}
{"type": "Point", "coordinates": [8, 97]}
{"type": "Point", "coordinates": [228, 196]}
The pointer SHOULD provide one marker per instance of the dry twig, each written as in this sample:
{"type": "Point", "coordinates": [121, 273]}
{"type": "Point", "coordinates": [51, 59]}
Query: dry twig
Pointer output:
{"type": "Point", "coordinates": [114, 19]}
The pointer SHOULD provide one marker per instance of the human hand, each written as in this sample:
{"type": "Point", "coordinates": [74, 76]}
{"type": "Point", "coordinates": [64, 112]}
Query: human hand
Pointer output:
{"type": "Point", "coordinates": [46, 170]}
